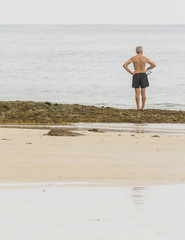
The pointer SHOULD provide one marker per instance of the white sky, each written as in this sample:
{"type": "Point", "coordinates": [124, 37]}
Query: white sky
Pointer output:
{"type": "Point", "coordinates": [92, 12]}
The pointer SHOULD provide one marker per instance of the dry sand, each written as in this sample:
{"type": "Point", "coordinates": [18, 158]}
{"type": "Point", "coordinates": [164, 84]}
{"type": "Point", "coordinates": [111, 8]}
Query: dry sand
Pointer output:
{"type": "Point", "coordinates": [107, 158]}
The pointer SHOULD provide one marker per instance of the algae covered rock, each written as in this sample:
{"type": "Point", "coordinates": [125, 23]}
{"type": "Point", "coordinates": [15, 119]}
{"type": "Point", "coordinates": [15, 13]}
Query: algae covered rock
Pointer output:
{"type": "Point", "coordinates": [62, 132]}
{"type": "Point", "coordinates": [95, 130]}
{"type": "Point", "coordinates": [30, 112]}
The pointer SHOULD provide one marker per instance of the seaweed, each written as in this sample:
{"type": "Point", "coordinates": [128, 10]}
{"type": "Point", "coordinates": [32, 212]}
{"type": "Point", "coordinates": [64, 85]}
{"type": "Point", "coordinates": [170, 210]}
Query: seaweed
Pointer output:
{"type": "Point", "coordinates": [62, 132]}
{"type": "Point", "coordinates": [30, 112]}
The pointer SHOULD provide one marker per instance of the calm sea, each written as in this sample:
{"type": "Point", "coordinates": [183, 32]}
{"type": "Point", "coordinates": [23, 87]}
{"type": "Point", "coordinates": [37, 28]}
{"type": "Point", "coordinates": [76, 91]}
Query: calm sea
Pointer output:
{"type": "Point", "coordinates": [83, 64]}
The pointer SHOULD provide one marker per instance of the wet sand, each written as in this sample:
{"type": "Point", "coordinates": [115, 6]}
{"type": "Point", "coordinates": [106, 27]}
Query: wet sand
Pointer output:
{"type": "Point", "coordinates": [93, 213]}
{"type": "Point", "coordinates": [110, 158]}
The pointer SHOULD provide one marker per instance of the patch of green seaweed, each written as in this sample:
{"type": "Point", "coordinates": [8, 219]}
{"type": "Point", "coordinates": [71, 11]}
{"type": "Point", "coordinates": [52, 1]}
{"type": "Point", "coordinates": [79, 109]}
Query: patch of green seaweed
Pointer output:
{"type": "Point", "coordinates": [29, 112]}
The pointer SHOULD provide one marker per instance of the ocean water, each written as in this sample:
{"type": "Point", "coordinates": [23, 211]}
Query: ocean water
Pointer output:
{"type": "Point", "coordinates": [83, 64]}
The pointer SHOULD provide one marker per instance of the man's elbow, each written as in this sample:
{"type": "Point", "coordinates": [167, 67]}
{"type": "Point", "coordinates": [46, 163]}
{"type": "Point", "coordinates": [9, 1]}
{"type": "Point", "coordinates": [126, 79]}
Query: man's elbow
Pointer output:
{"type": "Point", "coordinates": [124, 65]}
{"type": "Point", "coordinates": [154, 65]}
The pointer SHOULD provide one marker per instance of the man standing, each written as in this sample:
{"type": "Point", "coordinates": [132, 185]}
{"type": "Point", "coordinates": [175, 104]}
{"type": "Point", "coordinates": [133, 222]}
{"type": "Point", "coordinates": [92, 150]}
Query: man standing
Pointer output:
{"type": "Point", "coordinates": [140, 78]}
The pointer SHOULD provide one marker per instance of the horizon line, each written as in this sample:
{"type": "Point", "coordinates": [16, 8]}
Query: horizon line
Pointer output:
{"type": "Point", "coordinates": [76, 24]}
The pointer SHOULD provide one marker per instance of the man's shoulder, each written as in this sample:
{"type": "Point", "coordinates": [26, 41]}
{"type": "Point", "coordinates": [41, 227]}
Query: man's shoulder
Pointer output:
{"type": "Point", "coordinates": [144, 57]}
{"type": "Point", "coordinates": [133, 58]}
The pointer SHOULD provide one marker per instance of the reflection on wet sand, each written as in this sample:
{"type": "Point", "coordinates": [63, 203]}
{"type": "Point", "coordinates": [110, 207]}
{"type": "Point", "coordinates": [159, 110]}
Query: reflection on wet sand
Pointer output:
{"type": "Point", "coordinates": [92, 212]}
{"type": "Point", "coordinates": [138, 194]}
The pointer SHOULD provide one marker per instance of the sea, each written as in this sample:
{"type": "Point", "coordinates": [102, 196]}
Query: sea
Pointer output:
{"type": "Point", "coordinates": [83, 64]}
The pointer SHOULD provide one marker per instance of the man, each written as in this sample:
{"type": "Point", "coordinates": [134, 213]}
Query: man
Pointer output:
{"type": "Point", "coordinates": [140, 78]}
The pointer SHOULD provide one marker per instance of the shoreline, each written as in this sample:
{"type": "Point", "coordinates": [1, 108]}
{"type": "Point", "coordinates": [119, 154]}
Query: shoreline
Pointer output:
{"type": "Point", "coordinates": [168, 128]}
{"type": "Point", "coordinates": [68, 184]}
{"type": "Point", "coordinates": [109, 158]}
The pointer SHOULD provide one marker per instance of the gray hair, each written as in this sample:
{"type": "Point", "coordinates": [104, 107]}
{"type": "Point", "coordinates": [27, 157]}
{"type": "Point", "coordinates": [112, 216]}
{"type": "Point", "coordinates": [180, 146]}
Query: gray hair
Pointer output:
{"type": "Point", "coordinates": [139, 49]}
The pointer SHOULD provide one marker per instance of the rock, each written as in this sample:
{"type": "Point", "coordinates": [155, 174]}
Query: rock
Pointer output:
{"type": "Point", "coordinates": [48, 103]}
{"type": "Point", "coordinates": [155, 136]}
{"type": "Point", "coordinates": [95, 130]}
{"type": "Point", "coordinates": [62, 132]}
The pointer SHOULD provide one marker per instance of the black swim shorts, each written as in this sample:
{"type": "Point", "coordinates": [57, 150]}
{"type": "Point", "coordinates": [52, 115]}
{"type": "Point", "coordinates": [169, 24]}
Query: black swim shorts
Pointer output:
{"type": "Point", "coordinates": [140, 80]}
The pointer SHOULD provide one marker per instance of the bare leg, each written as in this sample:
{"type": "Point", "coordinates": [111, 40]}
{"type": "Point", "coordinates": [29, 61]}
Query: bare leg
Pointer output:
{"type": "Point", "coordinates": [143, 97]}
{"type": "Point", "coordinates": [137, 93]}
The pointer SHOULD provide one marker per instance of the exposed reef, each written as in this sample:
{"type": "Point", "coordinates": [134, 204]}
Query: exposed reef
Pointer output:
{"type": "Point", "coordinates": [29, 112]}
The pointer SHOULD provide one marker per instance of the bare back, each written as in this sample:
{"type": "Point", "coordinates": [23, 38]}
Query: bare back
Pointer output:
{"type": "Point", "coordinates": [139, 63]}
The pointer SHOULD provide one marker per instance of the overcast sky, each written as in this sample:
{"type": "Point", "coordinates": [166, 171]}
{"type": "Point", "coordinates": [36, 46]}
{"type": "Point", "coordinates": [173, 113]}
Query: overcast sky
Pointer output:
{"type": "Point", "coordinates": [92, 12]}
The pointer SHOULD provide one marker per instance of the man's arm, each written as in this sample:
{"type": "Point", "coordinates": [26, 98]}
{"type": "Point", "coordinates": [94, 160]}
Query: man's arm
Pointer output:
{"type": "Point", "coordinates": [152, 64]}
{"type": "Point", "coordinates": [125, 65]}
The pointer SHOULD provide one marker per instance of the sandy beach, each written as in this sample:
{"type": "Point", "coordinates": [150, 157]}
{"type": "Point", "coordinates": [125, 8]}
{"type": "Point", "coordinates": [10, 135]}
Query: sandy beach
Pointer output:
{"type": "Point", "coordinates": [108, 158]}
